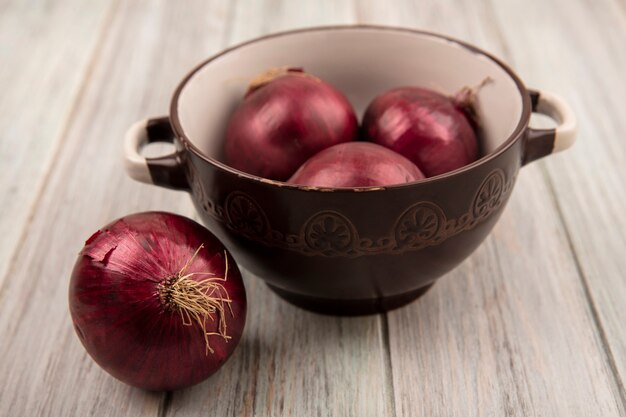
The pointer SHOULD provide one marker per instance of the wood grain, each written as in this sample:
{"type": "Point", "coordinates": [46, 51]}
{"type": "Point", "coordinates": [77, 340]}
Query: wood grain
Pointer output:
{"type": "Point", "coordinates": [295, 363]}
{"type": "Point", "coordinates": [278, 338]}
{"type": "Point", "coordinates": [495, 336]}
{"type": "Point", "coordinates": [43, 63]}
{"type": "Point", "coordinates": [256, 18]}
{"type": "Point", "coordinates": [292, 362]}
{"type": "Point", "coordinates": [589, 180]}
{"type": "Point", "coordinates": [531, 325]}
{"type": "Point", "coordinates": [507, 333]}
{"type": "Point", "coordinates": [45, 369]}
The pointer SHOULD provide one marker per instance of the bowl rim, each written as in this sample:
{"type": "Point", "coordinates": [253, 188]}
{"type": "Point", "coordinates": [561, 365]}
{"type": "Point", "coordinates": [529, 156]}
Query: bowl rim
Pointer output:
{"type": "Point", "coordinates": [513, 137]}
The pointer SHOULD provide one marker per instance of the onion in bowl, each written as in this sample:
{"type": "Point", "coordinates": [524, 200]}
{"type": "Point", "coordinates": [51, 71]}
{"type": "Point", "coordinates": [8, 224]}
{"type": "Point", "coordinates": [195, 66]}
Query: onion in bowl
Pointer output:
{"type": "Point", "coordinates": [356, 164]}
{"type": "Point", "coordinates": [286, 117]}
{"type": "Point", "coordinates": [430, 129]}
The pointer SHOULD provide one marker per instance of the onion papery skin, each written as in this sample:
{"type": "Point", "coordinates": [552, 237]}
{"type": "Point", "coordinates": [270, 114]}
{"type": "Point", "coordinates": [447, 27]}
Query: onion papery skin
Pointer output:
{"type": "Point", "coordinates": [118, 310]}
{"type": "Point", "coordinates": [285, 121]}
{"type": "Point", "coordinates": [356, 164]}
{"type": "Point", "coordinates": [428, 128]}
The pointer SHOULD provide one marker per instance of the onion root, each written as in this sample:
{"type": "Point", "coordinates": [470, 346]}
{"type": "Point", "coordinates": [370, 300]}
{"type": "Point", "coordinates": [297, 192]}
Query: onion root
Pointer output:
{"type": "Point", "coordinates": [198, 300]}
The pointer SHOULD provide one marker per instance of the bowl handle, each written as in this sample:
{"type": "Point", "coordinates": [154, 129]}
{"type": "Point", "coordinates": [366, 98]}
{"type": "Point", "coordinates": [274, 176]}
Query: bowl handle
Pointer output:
{"type": "Point", "coordinates": [542, 142]}
{"type": "Point", "coordinates": [165, 171]}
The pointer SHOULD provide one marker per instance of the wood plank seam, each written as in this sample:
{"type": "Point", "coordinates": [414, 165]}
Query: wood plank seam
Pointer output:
{"type": "Point", "coordinates": [383, 318]}
{"type": "Point", "coordinates": [99, 114]}
{"type": "Point", "coordinates": [165, 404]}
{"type": "Point", "coordinates": [60, 143]}
{"type": "Point", "coordinates": [547, 178]}
{"type": "Point", "coordinates": [384, 331]}
{"type": "Point", "coordinates": [606, 347]}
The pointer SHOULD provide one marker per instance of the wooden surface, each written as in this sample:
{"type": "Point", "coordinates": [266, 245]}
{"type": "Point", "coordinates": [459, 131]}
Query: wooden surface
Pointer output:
{"type": "Point", "coordinates": [532, 324]}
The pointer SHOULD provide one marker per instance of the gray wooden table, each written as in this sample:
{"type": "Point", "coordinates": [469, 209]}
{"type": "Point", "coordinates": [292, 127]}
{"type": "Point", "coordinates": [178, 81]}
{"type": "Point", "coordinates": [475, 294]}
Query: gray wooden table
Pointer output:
{"type": "Point", "coordinates": [532, 324]}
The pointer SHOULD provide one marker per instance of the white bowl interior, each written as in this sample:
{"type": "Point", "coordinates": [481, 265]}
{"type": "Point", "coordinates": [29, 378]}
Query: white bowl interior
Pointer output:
{"type": "Point", "coordinates": [360, 62]}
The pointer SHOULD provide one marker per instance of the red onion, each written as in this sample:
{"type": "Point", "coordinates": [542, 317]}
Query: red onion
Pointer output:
{"type": "Point", "coordinates": [286, 117]}
{"type": "Point", "coordinates": [356, 164]}
{"type": "Point", "coordinates": [430, 129]}
{"type": "Point", "coordinates": [157, 301]}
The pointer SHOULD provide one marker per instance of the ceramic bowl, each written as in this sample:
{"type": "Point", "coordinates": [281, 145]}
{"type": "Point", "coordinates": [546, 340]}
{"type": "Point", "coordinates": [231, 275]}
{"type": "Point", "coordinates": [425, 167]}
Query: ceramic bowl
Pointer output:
{"type": "Point", "coordinates": [349, 251]}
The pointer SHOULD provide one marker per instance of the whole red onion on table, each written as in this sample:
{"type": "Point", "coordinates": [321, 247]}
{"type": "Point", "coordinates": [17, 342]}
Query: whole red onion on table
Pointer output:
{"type": "Point", "coordinates": [157, 300]}
{"type": "Point", "coordinates": [286, 117]}
{"type": "Point", "coordinates": [430, 129]}
{"type": "Point", "coordinates": [356, 164]}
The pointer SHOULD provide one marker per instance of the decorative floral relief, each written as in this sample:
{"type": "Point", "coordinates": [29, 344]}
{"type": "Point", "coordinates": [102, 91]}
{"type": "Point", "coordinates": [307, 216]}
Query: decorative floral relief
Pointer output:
{"type": "Point", "coordinates": [245, 216]}
{"type": "Point", "coordinates": [489, 194]}
{"type": "Point", "coordinates": [419, 224]}
{"type": "Point", "coordinates": [329, 233]}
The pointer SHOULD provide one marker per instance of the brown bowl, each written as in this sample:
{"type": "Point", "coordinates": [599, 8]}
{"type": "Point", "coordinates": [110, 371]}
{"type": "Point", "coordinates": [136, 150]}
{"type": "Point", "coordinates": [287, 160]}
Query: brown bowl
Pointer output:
{"type": "Point", "coordinates": [349, 251]}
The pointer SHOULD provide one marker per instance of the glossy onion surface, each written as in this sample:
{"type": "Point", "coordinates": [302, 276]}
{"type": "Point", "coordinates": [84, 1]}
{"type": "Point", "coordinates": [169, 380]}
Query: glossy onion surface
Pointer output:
{"type": "Point", "coordinates": [284, 121]}
{"type": "Point", "coordinates": [428, 128]}
{"type": "Point", "coordinates": [356, 164]}
{"type": "Point", "coordinates": [157, 301]}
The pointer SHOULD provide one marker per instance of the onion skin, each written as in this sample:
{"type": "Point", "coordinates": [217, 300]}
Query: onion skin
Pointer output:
{"type": "Point", "coordinates": [121, 318]}
{"type": "Point", "coordinates": [428, 128]}
{"type": "Point", "coordinates": [356, 164]}
{"type": "Point", "coordinates": [284, 121]}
